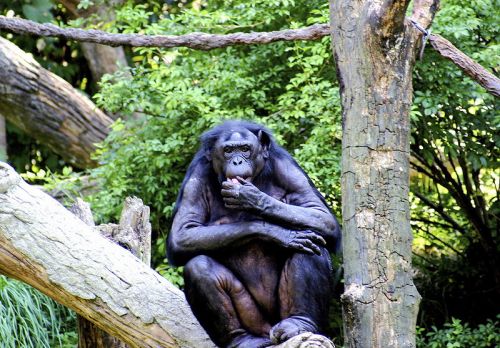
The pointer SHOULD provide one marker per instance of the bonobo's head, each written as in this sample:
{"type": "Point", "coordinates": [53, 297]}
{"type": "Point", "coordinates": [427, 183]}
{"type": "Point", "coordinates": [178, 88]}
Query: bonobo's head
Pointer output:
{"type": "Point", "coordinates": [237, 151]}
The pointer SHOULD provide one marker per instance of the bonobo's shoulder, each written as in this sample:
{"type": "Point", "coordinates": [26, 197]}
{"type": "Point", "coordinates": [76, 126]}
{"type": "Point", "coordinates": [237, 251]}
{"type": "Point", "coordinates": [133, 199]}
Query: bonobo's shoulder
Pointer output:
{"type": "Point", "coordinates": [196, 179]}
{"type": "Point", "coordinates": [288, 172]}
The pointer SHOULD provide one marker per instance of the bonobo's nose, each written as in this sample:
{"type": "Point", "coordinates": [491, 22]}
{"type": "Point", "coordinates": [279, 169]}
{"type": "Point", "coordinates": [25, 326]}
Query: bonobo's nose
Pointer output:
{"type": "Point", "coordinates": [237, 160]}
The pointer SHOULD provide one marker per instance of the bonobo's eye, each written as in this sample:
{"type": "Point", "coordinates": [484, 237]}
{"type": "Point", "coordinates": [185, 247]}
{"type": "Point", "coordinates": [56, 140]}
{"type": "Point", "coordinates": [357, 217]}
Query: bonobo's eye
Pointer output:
{"type": "Point", "coordinates": [228, 149]}
{"type": "Point", "coordinates": [245, 148]}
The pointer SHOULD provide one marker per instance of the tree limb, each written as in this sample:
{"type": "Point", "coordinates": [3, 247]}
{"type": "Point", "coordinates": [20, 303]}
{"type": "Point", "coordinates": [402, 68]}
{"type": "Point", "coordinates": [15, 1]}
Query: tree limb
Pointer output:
{"type": "Point", "coordinates": [44, 245]}
{"type": "Point", "coordinates": [48, 108]}
{"type": "Point", "coordinates": [432, 236]}
{"type": "Point", "coordinates": [470, 67]}
{"type": "Point", "coordinates": [424, 11]}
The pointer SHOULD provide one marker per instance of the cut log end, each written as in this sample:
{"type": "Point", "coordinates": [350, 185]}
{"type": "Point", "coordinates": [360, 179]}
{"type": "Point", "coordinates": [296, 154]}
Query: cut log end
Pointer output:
{"type": "Point", "coordinates": [8, 177]}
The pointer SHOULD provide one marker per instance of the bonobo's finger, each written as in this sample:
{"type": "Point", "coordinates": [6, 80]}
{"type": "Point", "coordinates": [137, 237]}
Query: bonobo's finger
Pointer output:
{"type": "Point", "coordinates": [313, 238]}
{"type": "Point", "coordinates": [311, 246]}
{"type": "Point", "coordinates": [229, 193]}
{"type": "Point", "coordinates": [232, 206]}
{"type": "Point", "coordinates": [230, 200]}
{"type": "Point", "coordinates": [301, 247]}
{"type": "Point", "coordinates": [243, 181]}
{"type": "Point", "coordinates": [316, 238]}
{"type": "Point", "coordinates": [228, 185]}
{"type": "Point", "coordinates": [316, 249]}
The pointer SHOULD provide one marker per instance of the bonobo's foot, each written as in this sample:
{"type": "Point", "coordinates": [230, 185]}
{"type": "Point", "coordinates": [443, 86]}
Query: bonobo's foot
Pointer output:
{"type": "Point", "coordinates": [246, 340]}
{"type": "Point", "coordinates": [289, 327]}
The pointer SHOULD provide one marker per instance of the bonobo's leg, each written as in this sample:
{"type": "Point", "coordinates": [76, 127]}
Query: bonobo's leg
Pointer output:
{"type": "Point", "coordinates": [223, 306]}
{"type": "Point", "coordinates": [304, 292]}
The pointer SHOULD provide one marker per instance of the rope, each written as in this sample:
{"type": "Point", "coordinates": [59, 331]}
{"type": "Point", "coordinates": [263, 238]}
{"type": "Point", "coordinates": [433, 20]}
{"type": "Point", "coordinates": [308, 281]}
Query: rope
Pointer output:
{"type": "Point", "coordinates": [426, 33]}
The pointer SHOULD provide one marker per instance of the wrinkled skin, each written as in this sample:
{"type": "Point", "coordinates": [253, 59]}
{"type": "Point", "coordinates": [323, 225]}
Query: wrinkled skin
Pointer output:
{"type": "Point", "coordinates": [254, 236]}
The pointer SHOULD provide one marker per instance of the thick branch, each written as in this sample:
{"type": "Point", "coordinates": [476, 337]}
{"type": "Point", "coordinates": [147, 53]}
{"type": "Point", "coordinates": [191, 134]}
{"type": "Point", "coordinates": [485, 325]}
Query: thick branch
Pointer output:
{"type": "Point", "coordinates": [424, 11]}
{"type": "Point", "coordinates": [473, 69]}
{"type": "Point", "coordinates": [200, 41]}
{"type": "Point", "coordinates": [48, 108]}
{"type": "Point", "coordinates": [44, 245]}
{"type": "Point", "coordinates": [391, 17]}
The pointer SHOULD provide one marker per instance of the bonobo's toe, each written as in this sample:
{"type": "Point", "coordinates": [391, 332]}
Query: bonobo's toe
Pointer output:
{"type": "Point", "coordinates": [289, 327]}
{"type": "Point", "coordinates": [246, 340]}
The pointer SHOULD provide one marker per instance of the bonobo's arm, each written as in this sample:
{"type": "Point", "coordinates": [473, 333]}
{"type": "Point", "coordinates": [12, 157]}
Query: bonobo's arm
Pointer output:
{"type": "Point", "coordinates": [304, 210]}
{"type": "Point", "coordinates": [190, 236]}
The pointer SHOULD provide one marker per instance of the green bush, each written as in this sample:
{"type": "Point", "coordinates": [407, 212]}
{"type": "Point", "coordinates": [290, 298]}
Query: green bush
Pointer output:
{"type": "Point", "coordinates": [460, 335]}
{"type": "Point", "coordinates": [29, 319]}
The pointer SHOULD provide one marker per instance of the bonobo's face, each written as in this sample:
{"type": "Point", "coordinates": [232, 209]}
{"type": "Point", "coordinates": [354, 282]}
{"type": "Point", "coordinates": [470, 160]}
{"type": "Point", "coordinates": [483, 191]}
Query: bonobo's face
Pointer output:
{"type": "Point", "coordinates": [238, 153]}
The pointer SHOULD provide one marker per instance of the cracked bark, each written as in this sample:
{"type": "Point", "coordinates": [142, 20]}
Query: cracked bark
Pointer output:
{"type": "Point", "coordinates": [3, 139]}
{"type": "Point", "coordinates": [375, 51]}
{"type": "Point", "coordinates": [46, 246]}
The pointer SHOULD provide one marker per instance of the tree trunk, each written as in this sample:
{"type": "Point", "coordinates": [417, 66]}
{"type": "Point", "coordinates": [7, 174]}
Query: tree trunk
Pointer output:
{"type": "Point", "coordinates": [374, 52]}
{"type": "Point", "coordinates": [101, 59]}
{"type": "Point", "coordinates": [44, 245]}
{"type": "Point", "coordinates": [48, 108]}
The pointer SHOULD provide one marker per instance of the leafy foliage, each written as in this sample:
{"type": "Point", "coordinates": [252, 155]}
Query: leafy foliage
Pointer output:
{"type": "Point", "coordinates": [460, 335]}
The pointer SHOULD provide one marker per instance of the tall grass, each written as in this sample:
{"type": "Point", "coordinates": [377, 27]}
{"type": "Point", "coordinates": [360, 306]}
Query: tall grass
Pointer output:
{"type": "Point", "coordinates": [29, 319]}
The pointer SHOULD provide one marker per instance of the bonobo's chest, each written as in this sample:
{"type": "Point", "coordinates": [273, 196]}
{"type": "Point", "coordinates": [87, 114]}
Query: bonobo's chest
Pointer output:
{"type": "Point", "coordinates": [218, 214]}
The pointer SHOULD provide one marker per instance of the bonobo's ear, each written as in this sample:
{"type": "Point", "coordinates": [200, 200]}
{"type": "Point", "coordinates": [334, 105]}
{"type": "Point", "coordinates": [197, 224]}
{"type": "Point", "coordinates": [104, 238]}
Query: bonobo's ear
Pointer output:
{"type": "Point", "coordinates": [265, 142]}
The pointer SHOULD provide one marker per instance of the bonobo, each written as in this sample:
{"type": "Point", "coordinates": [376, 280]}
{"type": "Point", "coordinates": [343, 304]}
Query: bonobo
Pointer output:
{"type": "Point", "coordinates": [254, 235]}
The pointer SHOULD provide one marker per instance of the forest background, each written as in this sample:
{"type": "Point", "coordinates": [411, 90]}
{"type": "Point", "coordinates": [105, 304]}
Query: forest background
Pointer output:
{"type": "Point", "coordinates": [162, 100]}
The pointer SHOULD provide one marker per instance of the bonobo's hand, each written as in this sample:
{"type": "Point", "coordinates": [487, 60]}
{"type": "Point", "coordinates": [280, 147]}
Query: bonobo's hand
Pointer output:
{"type": "Point", "coordinates": [304, 241]}
{"type": "Point", "coordinates": [242, 194]}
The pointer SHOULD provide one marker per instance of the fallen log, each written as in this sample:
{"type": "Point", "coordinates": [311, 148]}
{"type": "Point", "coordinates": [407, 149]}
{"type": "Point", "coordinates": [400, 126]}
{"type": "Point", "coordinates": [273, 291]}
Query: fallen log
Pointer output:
{"type": "Point", "coordinates": [48, 108]}
{"type": "Point", "coordinates": [46, 246]}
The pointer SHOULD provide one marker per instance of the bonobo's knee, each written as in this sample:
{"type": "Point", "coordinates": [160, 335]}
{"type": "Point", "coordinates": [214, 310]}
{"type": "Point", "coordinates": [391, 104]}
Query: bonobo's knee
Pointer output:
{"type": "Point", "coordinates": [198, 265]}
{"type": "Point", "coordinates": [205, 271]}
